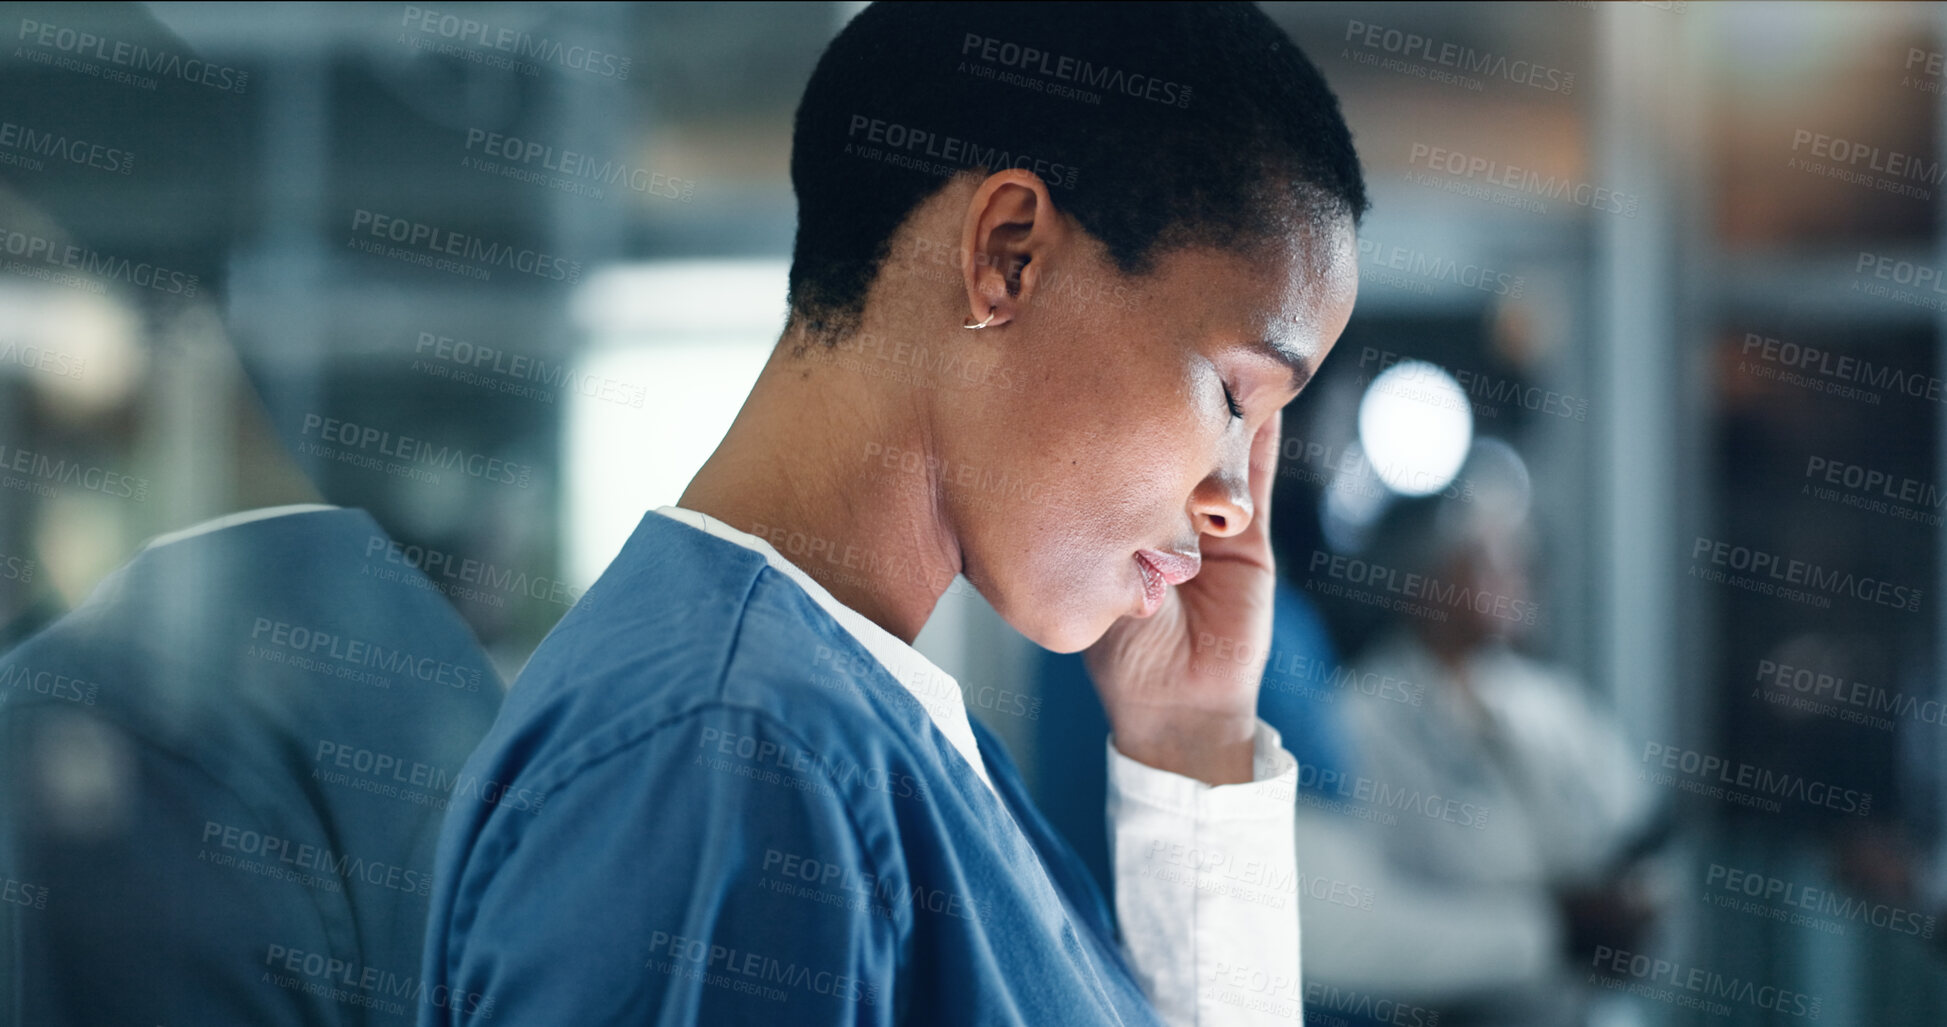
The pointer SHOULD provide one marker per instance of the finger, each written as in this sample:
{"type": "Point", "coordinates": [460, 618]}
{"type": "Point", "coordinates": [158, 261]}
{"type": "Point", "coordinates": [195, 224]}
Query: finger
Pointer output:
{"type": "Point", "coordinates": [1264, 471]}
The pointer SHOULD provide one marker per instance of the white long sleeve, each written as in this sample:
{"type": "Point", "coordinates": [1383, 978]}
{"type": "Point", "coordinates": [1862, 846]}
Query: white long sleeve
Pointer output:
{"type": "Point", "coordinates": [1206, 888]}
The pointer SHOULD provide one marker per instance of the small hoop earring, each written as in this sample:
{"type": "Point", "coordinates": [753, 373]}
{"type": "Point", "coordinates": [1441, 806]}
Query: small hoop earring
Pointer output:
{"type": "Point", "coordinates": [983, 324]}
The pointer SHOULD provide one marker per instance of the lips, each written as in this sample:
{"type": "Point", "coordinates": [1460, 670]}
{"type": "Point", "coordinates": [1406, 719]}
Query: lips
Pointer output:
{"type": "Point", "coordinates": [1175, 568]}
{"type": "Point", "coordinates": [1159, 571]}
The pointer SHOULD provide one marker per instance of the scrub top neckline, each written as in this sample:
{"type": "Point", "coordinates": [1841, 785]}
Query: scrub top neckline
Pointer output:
{"type": "Point", "coordinates": [936, 690]}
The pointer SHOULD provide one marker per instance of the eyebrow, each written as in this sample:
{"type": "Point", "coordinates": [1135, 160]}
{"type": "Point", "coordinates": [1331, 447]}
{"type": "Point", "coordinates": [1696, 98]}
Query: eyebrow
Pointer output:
{"type": "Point", "coordinates": [1301, 369]}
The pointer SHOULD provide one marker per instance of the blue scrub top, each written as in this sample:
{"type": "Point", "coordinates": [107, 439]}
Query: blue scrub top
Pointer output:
{"type": "Point", "coordinates": [267, 718]}
{"type": "Point", "coordinates": [745, 819]}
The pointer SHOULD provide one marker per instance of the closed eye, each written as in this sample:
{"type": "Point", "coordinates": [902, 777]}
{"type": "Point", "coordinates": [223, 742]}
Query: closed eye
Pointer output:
{"type": "Point", "coordinates": [1231, 401]}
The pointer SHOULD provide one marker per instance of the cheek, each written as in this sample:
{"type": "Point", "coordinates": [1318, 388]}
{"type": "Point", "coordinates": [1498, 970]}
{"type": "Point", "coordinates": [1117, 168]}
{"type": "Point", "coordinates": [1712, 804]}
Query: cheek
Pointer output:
{"type": "Point", "coordinates": [1113, 476]}
{"type": "Point", "coordinates": [1105, 429]}
{"type": "Point", "coordinates": [1066, 557]}
{"type": "Point", "coordinates": [1058, 568]}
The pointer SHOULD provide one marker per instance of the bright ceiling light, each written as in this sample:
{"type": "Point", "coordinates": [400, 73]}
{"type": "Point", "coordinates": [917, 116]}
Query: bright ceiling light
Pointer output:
{"type": "Point", "coordinates": [1415, 427]}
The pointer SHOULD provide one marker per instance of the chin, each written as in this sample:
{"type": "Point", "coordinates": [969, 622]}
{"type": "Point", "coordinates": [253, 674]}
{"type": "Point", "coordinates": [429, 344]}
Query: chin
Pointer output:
{"type": "Point", "coordinates": [1063, 607]}
{"type": "Point", "coordinates": [1063, 631]}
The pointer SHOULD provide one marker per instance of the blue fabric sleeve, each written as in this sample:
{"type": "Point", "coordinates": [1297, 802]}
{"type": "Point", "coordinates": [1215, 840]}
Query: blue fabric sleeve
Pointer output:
{"type": "Point", "coordinates": [706, 871]}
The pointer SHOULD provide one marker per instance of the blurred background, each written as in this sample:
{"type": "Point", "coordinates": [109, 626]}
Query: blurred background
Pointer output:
{"type": "Point", "coordinates": [1622, 491]}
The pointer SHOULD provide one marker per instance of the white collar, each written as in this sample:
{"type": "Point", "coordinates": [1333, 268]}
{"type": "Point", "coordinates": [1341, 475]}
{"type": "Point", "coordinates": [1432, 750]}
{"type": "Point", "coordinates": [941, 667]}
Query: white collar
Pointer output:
{"type": "Point", "coordinates": [935, 689]}
{"type": "Point", "coordinates": [232, 520]}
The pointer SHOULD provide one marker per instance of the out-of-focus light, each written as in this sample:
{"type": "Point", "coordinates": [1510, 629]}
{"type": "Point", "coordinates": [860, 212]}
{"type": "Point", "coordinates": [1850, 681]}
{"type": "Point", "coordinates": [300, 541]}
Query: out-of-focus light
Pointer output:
{"type": "Point", "coordinates": [79, 347]}
{"type": "Point", "coordinates": [674, 348]}
{"type": "Point", "coordinates": [1415, 427]}
{"type": "Point", "coordinates": [647, 304]}
{"type": "Point", "coordinates": [1498, 479]}
{"type": "Point", "coordinates": [68, 536]}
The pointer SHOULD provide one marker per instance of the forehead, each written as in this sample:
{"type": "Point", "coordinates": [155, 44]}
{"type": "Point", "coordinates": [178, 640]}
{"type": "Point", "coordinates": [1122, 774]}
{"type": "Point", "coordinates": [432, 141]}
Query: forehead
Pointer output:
{"type": "Point", "coordinates": [1295, 290]}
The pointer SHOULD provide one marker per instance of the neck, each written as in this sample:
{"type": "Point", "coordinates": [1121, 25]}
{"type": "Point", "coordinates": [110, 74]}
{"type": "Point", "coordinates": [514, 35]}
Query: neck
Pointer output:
{"type": "Point", "coordinates": [837, 472]}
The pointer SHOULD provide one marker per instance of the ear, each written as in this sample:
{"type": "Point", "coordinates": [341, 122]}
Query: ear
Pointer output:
{"type": "Point", "coordinates": [1011, 229]}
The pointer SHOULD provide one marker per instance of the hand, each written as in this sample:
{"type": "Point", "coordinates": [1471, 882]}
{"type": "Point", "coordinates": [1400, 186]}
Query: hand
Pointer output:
{"type": "Point", "coordinates": [1180, 687]}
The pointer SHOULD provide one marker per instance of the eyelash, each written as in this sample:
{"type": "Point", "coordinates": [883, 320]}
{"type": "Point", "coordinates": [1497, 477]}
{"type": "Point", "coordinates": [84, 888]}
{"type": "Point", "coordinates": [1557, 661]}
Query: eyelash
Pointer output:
{"type": "Point", "coordinates": [1231, 401]}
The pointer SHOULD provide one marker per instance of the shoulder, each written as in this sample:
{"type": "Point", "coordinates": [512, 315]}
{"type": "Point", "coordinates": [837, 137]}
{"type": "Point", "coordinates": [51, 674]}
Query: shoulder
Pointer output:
{"type": "Point", "coordinates": [700, 644]}
{"type": "Point", "coordinates": [667, 857]}
{"type": "Point", "coordinates": [287, 641]}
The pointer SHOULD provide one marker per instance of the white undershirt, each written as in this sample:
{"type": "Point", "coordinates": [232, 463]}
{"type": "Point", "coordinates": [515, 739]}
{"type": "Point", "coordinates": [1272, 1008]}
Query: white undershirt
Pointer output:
{"type": "Point", "coordinates": [1206, 877]}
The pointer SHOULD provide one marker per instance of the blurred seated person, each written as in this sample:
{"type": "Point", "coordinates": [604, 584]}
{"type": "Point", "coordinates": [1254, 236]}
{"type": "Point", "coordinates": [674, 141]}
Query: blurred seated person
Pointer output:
{"type": "Point", "coordinates": [1508, 822]}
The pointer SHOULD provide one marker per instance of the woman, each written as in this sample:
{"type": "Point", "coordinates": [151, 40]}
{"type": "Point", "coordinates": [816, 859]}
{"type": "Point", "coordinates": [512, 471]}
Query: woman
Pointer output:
{"type": "Point", "coordinates": [762, 805]}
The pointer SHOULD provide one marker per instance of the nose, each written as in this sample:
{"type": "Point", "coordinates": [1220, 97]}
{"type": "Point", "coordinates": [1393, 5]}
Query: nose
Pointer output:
{"type": "Point", "coordinates": [1221, 504]}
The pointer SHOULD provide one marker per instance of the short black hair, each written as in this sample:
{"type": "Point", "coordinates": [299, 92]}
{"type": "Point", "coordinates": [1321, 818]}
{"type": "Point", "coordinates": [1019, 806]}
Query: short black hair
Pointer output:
{"type": "Point", "coordinates": [1156, 126]}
